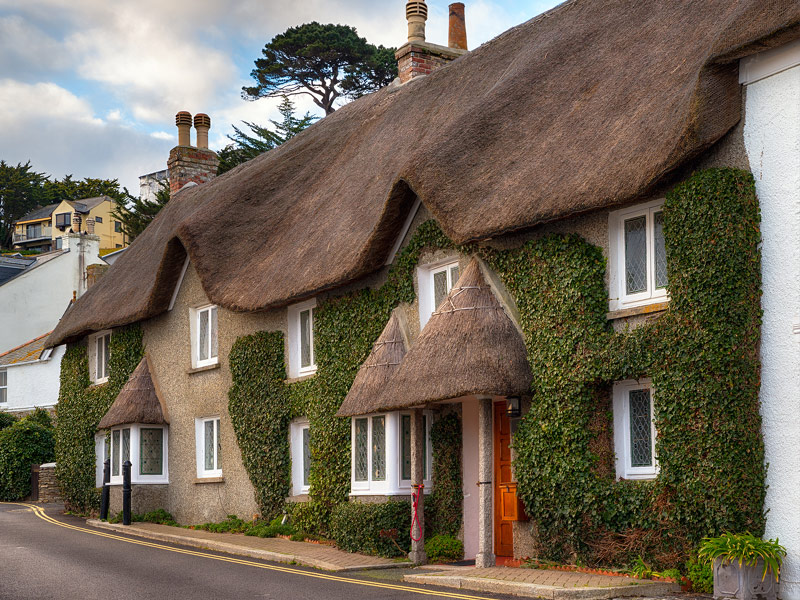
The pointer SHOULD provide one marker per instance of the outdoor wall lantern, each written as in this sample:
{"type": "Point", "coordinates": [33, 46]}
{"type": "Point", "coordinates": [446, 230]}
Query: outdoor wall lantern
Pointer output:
{"type": "Point", "coordinates": [512, 407]}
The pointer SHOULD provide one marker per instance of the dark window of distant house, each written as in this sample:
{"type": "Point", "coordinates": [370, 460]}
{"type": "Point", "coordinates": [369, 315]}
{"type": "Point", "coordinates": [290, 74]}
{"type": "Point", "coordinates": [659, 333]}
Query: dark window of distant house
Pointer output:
{"type": "Point", "coordinates": [119, 245]}
{"type": "Point", "coordinates": [117, 227]}
{"type": "Point", "coordinates": [98, 219]}
{"type": "Point", "coordinates": [63, 219]}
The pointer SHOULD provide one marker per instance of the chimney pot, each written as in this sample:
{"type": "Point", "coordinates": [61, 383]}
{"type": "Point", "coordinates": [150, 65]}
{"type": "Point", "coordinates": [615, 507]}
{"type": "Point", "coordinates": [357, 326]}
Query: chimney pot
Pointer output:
{"type": "Point", "coordinates": [202, 123]}
{"type": "Point", "coordinates": [184, 122]}
{"type": "Point", "coordinates": [416, 15]}
{"type": "Point", "coordinates": [457, 34]}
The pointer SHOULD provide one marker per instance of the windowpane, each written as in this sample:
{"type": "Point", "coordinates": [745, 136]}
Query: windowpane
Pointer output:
{"type": "Point", "coordinates": [636, 255]}
{"type": "Point", "coordinates": [379, 448]}
{"type": "Point", "coordinates": [202, 335]}
{"type": "Point", "coordinates": [439, 288]}
{"type": "Point", "coordinates": [424, 447]}
{"type": "Point", "coordinates": [362, 460]}
{"type": "Point", "coordinates": [3, 396]}
{"type": "Point", "coordinates": [3, 387]}
{"type": "Point", "coordinates": [306, 456]}
{"type": "Point", "coordinates": [151, 452]}
{"type": "Point", "coordinates": [214, 332]}
{"type": "Point", "coordinates": [209, 445]}
{"type": "Point", "coordinates": [641, 429]}
{"type": "Point", "coordinates": [453, 277]}
{"type": "Point", "coordinates": [3, 378]}
{"type": "Point", "coordinates": [305, 338]}
{"type": "Point", "coordinates": [115, 453]}
{"type": "Point", "coordinates": [219, 446]}
{"type": "Point", "coordinates": [126, 445]}
{"type": "Point", "coordinates": [405, 447]}
{"type": "Point", "coordinates": [106, 353]}
{"type": "Point", "coordinates": [100, 355]}
{"type": "Point", "coordinates": [660, 250]}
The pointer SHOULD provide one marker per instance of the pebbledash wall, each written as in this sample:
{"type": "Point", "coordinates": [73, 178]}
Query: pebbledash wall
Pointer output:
{"type": "Point", "coordinates": [772, 139]}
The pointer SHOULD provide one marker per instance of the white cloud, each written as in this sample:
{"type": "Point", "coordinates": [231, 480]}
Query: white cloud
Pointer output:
{"type": "Point", "coordinates": [163, 135]}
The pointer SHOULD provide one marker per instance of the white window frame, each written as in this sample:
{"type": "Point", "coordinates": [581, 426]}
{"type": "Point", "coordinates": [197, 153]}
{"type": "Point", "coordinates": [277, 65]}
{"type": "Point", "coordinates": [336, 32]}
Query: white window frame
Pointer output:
{"type": "Point", "coordinates": [194, 318]}
{"type": "Point", "coordinates": [619, 298]}
{"type": "Point", "coordinates": [3, 386]}
{"type": "Point", "coordinates": [393, 485]}
{"type": "Point", "coordinates": [94, 367]}
{"type": "Point", "coordinates": [200, 433]}
{"type": "Point", "coordinates": [427, 294]}
{"type": "Point", "coordinates": [135, 454]}
{"type": "Point", "coordinates": [293, 313]}
{"type": "Point", "coordinates": [296, 429]}
{"type": "Point", "coordinates": [622, 430]}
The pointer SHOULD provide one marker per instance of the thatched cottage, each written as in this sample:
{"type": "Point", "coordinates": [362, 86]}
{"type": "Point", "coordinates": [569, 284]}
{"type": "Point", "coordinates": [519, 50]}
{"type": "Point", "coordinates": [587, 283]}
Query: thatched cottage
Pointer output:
{"type": "Point", "coordinates": [550, 244]}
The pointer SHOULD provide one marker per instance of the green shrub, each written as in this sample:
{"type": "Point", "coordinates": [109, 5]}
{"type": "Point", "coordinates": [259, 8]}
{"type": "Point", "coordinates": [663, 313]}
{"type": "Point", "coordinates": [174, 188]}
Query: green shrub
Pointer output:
{"type": "Point", "coordinates": [40, 416]}
{"type": "Point", "coordinates": [232, 524]}
{"type": "Point", "coordinates": [159, 516]}
{"type": "Point", "coordinates": [381, 529]}
{"type": "Point", "coordinates": [272, 529]}
{"type": "Point", "coordinates": [7, 420]}
{"type": "Point", "coordinates": [444, 548]}
{"type": "Point", "coordinates": [701, 575]}
{"type": "Point", "coordinates": [309, 517]}
{"type": "Point", "coordinates": [23, 444]}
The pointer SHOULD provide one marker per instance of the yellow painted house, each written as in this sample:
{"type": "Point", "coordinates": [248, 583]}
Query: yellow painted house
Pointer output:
{"type": "Point", "coordinates": [44, 227]}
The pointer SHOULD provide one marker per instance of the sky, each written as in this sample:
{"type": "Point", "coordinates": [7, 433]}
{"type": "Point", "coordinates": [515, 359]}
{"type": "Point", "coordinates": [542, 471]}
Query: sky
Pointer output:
{"type": "Point", "coordinates": [91, 87]}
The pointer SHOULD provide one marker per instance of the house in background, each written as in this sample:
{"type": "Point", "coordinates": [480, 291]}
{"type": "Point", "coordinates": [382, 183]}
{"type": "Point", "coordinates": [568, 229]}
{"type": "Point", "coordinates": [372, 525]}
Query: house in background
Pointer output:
{"type": "Point", "coordinates": [533, 134]}
{"type": "Point", "coordinates": [34, 231]}
{"type": "Point", "coordinates": [29, 376]}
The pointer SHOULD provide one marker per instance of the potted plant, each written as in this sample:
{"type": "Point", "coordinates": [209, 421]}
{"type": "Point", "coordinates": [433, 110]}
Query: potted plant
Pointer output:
{"type": "Point", "coordinates": [745, 567]}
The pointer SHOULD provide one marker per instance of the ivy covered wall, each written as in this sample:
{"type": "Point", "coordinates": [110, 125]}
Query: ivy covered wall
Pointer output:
{"type": "Point", "coordinates": [701, 354]}
{"type": "Point", "coordinates": [79, 410]}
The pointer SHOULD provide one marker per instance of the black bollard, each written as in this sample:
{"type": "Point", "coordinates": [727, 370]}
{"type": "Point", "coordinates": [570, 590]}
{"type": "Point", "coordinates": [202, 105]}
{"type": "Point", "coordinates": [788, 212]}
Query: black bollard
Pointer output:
{"type": "Point", "coordinates": [126, 492]}
{"type": "Point", "coordinates": [106, 489]}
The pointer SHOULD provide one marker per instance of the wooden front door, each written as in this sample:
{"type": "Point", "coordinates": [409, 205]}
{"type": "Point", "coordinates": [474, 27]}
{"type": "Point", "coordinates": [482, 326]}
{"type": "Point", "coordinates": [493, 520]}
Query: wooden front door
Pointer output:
{"type": "Point", "coordinates": [504, 499]}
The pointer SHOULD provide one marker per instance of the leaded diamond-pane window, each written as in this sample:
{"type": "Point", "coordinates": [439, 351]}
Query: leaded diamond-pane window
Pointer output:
{"type": "Point", "coordinates": [306, 338]}
{"type": "Point", "coordinates": [405, 454]}
{"type": "Point", "coordinates": [209, 445]}
{"type": "Point", "coordinates": [362, 445]}
{"type": "Point", "coordinates": [151, 447]}
{"type": "Point", "coordinates": [660, 250]}
{"type": "Point", "coordinates": [306, 456]}
{"type": "Point", "coordinates": [379, 448]}
{"type": "Point", "coordinates": [636, 255]}
{"type": "Point", "coordinates": [439, 288]}
{"type": "Point", "coordinates": [115, 462]}
{"type": "Point", "coordinates": [641, 428]}
{"type": "Point", "coordinates": [203, 326]}
{"type": "Point", "coordinates": [126, 445]}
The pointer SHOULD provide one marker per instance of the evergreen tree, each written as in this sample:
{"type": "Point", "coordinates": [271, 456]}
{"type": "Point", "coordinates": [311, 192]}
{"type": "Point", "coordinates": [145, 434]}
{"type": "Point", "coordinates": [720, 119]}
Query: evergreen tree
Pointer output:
{"type": "Point", "coordinates": [21, 191]}
{"type": "Point", "coordinates": [137, 213]}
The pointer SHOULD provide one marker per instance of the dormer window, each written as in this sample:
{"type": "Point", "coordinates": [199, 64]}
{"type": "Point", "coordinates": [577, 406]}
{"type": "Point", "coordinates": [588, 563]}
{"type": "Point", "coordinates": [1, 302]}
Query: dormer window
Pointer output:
{"type": "Point", "coordinates": [435, 282]}
{"type": "Point", "coordinates": [204, 336]}
{"type": "Point", "coordinates": [302, 359]}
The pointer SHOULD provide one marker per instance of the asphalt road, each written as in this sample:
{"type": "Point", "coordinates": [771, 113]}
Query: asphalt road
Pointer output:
{"type": "Point", "coordinates": [47, 555]}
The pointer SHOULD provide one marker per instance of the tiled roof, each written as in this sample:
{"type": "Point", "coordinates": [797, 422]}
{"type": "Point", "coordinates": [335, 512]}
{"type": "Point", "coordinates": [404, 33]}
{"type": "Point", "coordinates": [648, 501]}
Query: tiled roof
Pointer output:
{"type": "Point", "coordinates": [26, 352]}
{"type": "Point", "coordinates": [38, 214]}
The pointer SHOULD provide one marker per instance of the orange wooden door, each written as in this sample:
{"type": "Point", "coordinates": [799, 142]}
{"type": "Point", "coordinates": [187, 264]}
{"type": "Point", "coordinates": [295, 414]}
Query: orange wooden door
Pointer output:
{"type": "Point", "coordinates": [504, 499]}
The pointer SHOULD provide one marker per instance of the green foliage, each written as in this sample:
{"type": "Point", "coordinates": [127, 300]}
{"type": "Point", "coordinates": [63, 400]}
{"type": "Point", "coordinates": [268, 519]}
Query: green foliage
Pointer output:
{"type": "Point", "coordinates": [42, 417]}
{"type": "Point", "coordinates": [27, 442]}
{"type": "Point", "coordinates": [702, 356]}
{"type": "Point", "coordinates": [79, 410]}
{"type": "Point", "coordinates": [321, 61]}
{"type": "Point", "coordinates": [381, 529]}
{"type": "Point", "coordinates": [137, 213]}
{"type": "Point", "coordinates": [159, 516]}
{"type": "Point", "coordinates": [744, 548]}
{"type": "Point", "coordinates": [273, 529]}
{"type": "Point", "coordinates": [20, 193]}
{"type": "Point", "coordinates": [262, 139]}
{"type": "Point", "coordinates": [444, 548]}
{"type": "Point", "coordinates": [701, 575]}
{"type": "Point", "coordinates": [641, 569]}
{"type": "Point", "coordinates": [57, 190]}
{"type": "Point", "coordinates": [444, 506]}
{"type": "Point", "coordinates": [7, 420]}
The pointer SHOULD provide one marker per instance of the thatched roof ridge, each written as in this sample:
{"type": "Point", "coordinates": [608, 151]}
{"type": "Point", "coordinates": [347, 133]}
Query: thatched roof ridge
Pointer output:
{"type": "Point", "coordinates": [470, 346]}
{"type": "Point", "coordinates": [587, 106]}
{"type": "Point", "coordinates": [384, 359]}
{"type": "Point", "coordinates": [139, 401]}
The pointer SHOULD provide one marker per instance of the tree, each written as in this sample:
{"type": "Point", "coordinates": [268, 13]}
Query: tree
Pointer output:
{"type": "Point", "coordinates": [20, 192]}
{"type": "Point", "coordinates": [261, 139]}
{"type": "Point", "coordinates": [136, 213]}
{"type": "Point", "coordinates": [321, 61]}
{"type": "Point", "coordinates": [70, 189]}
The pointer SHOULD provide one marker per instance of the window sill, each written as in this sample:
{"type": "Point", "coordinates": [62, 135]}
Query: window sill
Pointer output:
{"type": "Point", "coordinates": [301, 377]}
{"type": "Point", "coordinates": [647, 309]}
{"type": "Point", "coordinates": [298, 499]}
{"type": "Point", "coordinates": [202, 369]}
{"type": "Point", "coordinates": [202, 480]}
{"type": "Point", "coordinates": [96, 384]}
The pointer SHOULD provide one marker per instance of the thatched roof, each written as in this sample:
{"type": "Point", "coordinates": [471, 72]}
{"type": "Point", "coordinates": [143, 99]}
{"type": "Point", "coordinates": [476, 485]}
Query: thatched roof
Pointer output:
{"type": "Point", "coordinates": [470, 346]}
{"type": "Point", "coordinates": [139, 401]}
{"type": "Point", "coordinates": [381, 364]}
{"type": "Point", "coordinates": [586, 106]}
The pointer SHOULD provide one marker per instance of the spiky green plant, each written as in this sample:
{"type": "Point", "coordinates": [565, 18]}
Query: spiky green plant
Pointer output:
{"type": "Point", "coordinates": [746, 549]}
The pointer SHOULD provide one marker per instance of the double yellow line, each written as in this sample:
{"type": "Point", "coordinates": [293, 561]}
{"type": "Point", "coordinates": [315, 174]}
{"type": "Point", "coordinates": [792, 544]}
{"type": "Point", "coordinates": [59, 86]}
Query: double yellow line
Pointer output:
{"type": "Point", "coordinates": [39, 512]}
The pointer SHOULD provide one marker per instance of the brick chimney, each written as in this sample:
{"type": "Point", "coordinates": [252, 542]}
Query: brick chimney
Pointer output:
{"type": "Point", "coordinates": [188, 163]}
{"type": "Point", "coordinates": [418, 57]}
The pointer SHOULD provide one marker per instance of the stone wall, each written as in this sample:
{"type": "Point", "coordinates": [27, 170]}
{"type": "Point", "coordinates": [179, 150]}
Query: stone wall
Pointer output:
{"type": "Point", "coordinates": [48, 484]}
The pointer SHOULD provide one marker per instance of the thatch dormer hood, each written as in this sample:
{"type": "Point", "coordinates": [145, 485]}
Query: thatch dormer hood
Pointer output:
{"type": "Point", "coordinates": [585, 106]}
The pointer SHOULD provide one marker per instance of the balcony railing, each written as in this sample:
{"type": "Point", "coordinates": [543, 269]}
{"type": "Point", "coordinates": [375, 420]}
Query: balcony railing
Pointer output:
{"type": "Point", "coordinates": [45, 233]}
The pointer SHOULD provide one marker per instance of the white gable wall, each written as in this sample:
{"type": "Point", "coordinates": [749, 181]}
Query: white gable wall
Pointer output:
{"type": "Point", "coordinates": [772, 140]}
{"type": "Point", "coordinates": [34, 384]}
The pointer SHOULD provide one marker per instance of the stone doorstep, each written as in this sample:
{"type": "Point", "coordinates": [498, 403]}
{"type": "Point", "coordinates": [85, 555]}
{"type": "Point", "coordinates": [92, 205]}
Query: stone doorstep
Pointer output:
{"type": "Point", "coordinates": [533, 590]}
{"type": "Point", "coordinates": [219, 546]}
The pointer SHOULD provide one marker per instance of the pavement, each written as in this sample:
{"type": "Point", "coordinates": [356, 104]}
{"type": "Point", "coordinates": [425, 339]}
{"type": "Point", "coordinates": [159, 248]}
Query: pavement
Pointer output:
{"type": "Point", "coordinates": [534, 583]}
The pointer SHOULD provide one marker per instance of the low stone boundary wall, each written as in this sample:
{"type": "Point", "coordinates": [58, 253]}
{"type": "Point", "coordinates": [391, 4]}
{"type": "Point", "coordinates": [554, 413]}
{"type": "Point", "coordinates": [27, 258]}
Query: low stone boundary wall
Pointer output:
{"type": "Point", "coordinates": [48, 484]}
